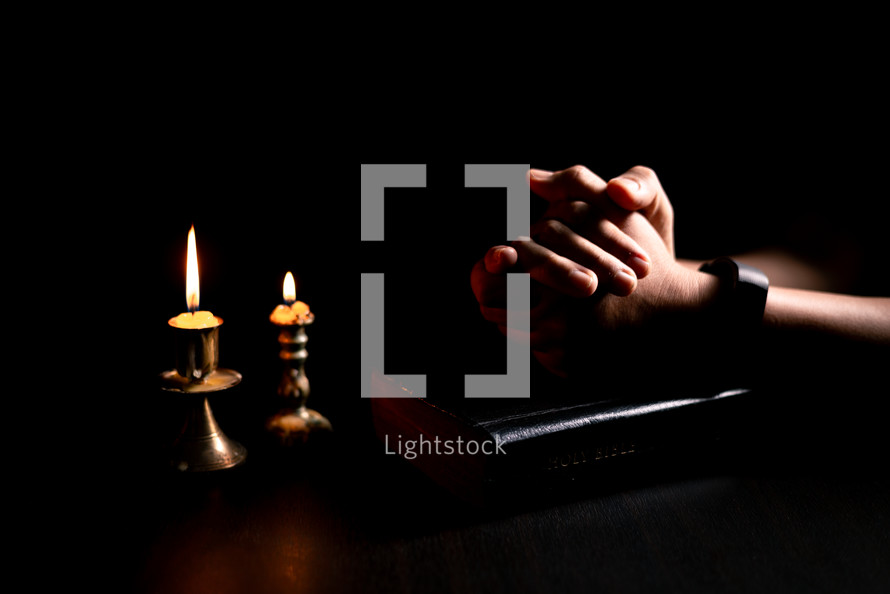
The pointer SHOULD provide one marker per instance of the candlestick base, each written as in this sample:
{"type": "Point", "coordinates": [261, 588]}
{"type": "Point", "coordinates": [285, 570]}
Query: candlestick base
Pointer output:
{"type": "Point", "coordinates": [290, 427]}
{"type": "Point", "coordinates": [202, 446]}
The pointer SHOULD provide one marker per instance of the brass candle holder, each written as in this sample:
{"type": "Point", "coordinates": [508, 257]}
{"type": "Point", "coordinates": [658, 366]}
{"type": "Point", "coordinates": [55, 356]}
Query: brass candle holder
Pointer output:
{"type": "Point", "coordinates": [201, 445]}
{"type": "Point", "coordinates": [294, 422]}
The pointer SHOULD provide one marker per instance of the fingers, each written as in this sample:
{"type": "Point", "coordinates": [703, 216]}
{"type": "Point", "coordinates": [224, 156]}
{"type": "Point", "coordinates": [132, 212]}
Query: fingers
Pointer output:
{"type": "Point", "coordinates": [574, 213]}
{"type": "Point", "coordinates": [598, 230]}
{"type": "Point", "coordinates": [487, 277]}
{"type": "Point", "coordinates": [579, 248]}
{"type": "Point", "coordinates": [555, 271]}
{"type": "Point", "coordinates": [578, 225]}
{"type": "Point", "coordinates": [576, 182]}
{"type": "Point", "coordinates": [637, 189]}
{"type": "Point", "coordinates": [562, 260]}
{"type": "Point", "coordinates": [557, 251]}
{"type": "Point", "coordinates": [500, 258]}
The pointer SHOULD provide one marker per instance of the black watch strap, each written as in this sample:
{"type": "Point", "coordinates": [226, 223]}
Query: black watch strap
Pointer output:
{"type": "Point", "coordinates": [743, 290]}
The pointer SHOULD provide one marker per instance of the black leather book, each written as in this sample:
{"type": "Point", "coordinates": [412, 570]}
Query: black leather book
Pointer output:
{"type": "Point", "coordinates": [484, 450]}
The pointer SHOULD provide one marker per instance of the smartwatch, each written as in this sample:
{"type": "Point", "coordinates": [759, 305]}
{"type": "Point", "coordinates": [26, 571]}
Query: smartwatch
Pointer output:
{"type": "Point", "coordinates": [743, 291]}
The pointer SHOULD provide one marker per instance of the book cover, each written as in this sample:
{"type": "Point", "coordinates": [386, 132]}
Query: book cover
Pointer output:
{"type": "Point", "coordinates": [482, 450]}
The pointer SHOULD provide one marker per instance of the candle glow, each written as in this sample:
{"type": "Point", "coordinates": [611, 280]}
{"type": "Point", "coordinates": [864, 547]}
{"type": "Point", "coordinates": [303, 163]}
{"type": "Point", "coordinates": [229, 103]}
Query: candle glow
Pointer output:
{"type": "Point", "coordinates": [193, 318]}
{"type": "Point", "coordinates": [292, 311]}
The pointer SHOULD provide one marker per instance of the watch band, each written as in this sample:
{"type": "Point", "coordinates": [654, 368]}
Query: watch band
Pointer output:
{"type": "Point", "coordinates": [743, 290]}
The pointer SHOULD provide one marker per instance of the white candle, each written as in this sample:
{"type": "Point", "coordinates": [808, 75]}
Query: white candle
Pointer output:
{"type": "Point", "coordinates": [193, 318]}
{"type": "Point", "coordinates": [199, 319]}
{"type": "Point", "coordinates": [291, 311]}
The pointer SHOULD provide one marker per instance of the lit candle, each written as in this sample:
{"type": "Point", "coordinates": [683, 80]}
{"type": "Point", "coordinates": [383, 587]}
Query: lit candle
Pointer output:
{"type": "Point", "coordinates": [294, 423]}
{"type": "Point", "coordinates": [291, 311]}
{"type": "Point", "coordinates": [193, 318]}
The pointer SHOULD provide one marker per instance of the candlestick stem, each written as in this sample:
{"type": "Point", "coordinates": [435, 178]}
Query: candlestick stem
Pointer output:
{"type": "Point", "coordinates": [294, 385]}
{"type": "Point", "coordinates": [295, 422]}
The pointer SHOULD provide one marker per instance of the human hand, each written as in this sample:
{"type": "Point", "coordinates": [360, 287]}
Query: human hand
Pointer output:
{"type": "Point", "coordinates": [591, 225]}
{"type": "Point", "coordinates": [597, 253]}
{"type": "Point", "coordinates": [562, 262]}
{"type": "Point", "coordinates": [636, 190]}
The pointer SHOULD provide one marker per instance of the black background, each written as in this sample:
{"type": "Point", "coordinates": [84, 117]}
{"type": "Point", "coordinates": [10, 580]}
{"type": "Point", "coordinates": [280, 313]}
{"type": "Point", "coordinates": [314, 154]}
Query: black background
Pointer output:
{"type": "Point", "coordinates": [269, 193]}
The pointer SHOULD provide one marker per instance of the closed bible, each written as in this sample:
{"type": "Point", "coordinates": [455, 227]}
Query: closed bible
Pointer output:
{"type": "Point", "coordinates": [485, 450]}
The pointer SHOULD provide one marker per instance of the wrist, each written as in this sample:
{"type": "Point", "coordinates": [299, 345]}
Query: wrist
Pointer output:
{"type": "Point", "coordinates": [696, 292]}
{"type": "Point", "coordinates": [688, 301]}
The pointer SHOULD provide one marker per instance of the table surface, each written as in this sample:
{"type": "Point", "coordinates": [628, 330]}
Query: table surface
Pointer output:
{"type": "Point", "coordinates": [797, 506]}
{"type": "Point", "coordinates": [768, 515]}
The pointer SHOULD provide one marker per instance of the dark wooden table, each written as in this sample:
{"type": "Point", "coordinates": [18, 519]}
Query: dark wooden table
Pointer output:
{"type": "Point", "coordinates": [773, 514]}
{"type": "Point", "coordinates": [795, 506]}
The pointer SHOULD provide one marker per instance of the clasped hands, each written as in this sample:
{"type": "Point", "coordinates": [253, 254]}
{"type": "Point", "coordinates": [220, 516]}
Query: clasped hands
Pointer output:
{"type": "Point", "coordinates": [602, 258]}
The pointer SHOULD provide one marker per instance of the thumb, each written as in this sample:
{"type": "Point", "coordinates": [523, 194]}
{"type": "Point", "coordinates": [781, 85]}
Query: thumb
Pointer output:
{"type": "Point", "coordinates": [635, 189]}
{"type": "Point", "coordinates": [639, 189]}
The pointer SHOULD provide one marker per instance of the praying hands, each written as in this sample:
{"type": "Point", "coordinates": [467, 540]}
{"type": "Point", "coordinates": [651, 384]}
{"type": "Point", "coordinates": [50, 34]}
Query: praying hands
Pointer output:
{"type": "Point", "coordinates": [612, 295]}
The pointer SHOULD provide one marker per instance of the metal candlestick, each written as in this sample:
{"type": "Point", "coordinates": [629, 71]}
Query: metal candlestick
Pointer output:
{"type": "Point", "coordinates": [295, 423]}
{"type": "Point", "coordinates": [201, 445]}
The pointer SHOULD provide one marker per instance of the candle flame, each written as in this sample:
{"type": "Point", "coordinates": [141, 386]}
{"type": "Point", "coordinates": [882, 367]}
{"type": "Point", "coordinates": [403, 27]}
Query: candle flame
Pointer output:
{"type": "Point", "coordinates": [192, 288]}
{"type": "Point", "coordinates": [290, 289]}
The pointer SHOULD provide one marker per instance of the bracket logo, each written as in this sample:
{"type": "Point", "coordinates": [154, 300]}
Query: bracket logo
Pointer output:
{"type": "Point", "coordinates": [375, 179]}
